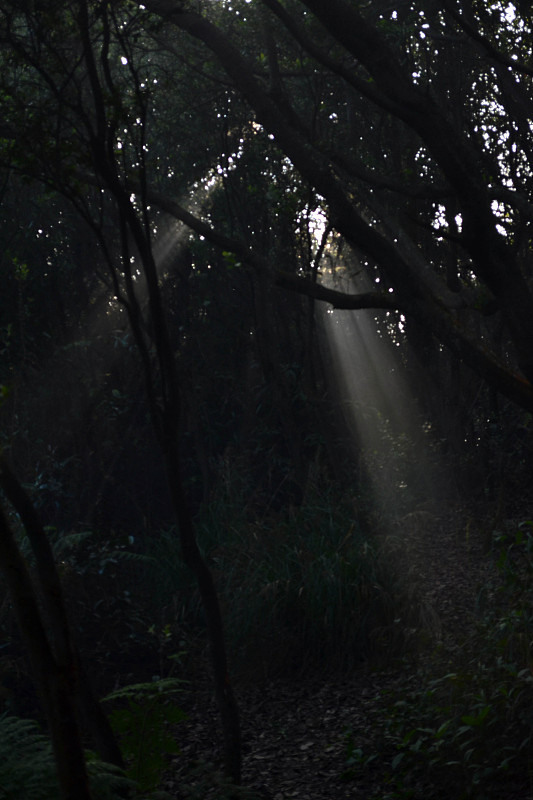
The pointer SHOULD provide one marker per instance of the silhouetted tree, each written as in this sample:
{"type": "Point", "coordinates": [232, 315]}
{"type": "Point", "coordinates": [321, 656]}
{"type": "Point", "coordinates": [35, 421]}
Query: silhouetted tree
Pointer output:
{"type": "Point", "coordinates": [458, 171]}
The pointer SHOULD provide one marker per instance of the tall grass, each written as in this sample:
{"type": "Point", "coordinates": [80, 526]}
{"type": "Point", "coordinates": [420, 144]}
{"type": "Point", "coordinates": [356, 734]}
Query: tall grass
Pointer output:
{"type": "Point", "coordinates": [302, 589]}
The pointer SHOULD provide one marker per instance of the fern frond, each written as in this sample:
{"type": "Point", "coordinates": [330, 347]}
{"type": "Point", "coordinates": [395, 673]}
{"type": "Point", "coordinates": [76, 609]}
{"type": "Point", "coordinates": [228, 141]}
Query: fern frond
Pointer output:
{"type": "Point", "coordinates": [28, 771]}
{"type": "Point", "coordinates": [143, 691]}
{"type": "Point", "coordinates": [128, 555]}
{"type": "Point", "coordinates": [27, 767]}
{"type": "Point", "coordinates": [108, 782]}
{"type": "Point", "coordinates": [69, 541]}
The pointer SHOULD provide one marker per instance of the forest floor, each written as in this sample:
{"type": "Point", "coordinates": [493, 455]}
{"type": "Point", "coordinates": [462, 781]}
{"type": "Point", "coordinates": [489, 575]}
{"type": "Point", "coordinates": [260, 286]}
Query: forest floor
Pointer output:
{"type": "Point", "coordinates": [299, 734]}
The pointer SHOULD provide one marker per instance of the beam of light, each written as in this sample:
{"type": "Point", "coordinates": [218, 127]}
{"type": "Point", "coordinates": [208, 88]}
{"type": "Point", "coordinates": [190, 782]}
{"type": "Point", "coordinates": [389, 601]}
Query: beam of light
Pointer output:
{"type": "Point", "coordinates": [90, 376]}
{"type": "Point", "coordinates": [390, 437]}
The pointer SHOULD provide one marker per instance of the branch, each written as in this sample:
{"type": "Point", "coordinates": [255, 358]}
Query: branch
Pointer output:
{"type": "Point", "coordinates": [172, 207]}
{"type": "Point", "coordinates": [492, 52]}
{"type": "Point", "coordinates": [361, 171]}
{"type": "Point", "coordinates": [364, 87]}
{"type": "Point", "coordinates": [341, 300]}
{"type": "Point", "coordinates": [433, 316]}
{"type": "Point", "coordinates": [458, 160]}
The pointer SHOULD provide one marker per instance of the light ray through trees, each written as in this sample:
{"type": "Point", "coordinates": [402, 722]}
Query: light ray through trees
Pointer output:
{"type": "Point", "coordinates": [390, 437]}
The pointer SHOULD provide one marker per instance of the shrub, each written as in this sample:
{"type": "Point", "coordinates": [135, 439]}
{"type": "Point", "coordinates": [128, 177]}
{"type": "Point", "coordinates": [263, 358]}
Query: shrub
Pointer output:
{"type": "Point", "coordinates": [468, 732]}
{"type": "Point", "coordinates": [142, 718]}
{"type": "Point", "coordinates": [27, 768]}
{"type": "Point", "coordinates": [307, 588]}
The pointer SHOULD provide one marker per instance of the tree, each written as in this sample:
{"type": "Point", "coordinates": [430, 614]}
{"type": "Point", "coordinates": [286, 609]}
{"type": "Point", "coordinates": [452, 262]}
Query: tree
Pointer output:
{"type": "Point", "coordinates": [465, 185]}
{"type": "Point", "coordinates": [100, 125]}
{"type": "Point", "coordinates": [403, 132]}
{"type": "Point", "coordinates": [66, 692]}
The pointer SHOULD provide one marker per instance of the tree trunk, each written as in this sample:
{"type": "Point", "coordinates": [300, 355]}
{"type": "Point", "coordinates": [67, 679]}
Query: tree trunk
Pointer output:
{"type": "Point", "coordinates": [229, 712]}
{"type": "Point", "coordinates": [56, 684]}
{"type": "Point", "coordinates": [62, 646]}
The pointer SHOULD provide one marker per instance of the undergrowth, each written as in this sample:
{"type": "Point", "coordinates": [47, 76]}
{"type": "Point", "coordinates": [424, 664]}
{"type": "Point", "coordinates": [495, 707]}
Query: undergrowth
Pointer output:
{"type": "Point", "coordinates": [304, 588]}
{"type": "Point", "coordinates": [463, 725]}
{"type": "Point", "coordinates": [27, 767]}
{"type": "Point", "coordinates": [142, 717]}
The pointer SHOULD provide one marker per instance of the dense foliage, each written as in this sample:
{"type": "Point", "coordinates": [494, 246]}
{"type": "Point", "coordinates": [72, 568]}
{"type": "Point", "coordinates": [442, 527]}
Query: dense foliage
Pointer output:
{"type": "Point", "coordinates": [188, 190]}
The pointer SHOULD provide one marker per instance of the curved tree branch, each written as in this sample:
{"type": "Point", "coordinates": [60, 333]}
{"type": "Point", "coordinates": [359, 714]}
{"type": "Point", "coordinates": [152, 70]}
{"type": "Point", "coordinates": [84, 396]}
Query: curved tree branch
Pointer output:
{"type": "Point", "coordinates": [456, 157]}
{"type": "Point", "coordinates": [340, 300]}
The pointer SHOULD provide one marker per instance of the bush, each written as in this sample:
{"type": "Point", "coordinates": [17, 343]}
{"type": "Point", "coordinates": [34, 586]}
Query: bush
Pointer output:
{"type": "Point", "coordinates": [307, 588]}
{"type": "Point", "coordinates": [142, 719]}
{"type": "Point", "coordinates": [27, 768]}
{"type": "Point", "coordinates": [468, 732]}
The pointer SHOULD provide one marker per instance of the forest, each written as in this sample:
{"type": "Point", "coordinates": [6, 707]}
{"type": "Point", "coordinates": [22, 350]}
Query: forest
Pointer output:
{"type": "Point", "coordinates": [266, 399]}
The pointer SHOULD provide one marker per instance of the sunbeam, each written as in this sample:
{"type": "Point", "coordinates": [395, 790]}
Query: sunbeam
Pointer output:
{"type": "Point", "coordinates": [390, 437]}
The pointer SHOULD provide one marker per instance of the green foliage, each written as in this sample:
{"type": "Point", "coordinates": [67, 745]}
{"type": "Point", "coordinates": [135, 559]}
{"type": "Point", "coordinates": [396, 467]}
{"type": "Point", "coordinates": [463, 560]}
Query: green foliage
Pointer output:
{"type": "Point", "coordinates": [307, 588]}
{"type": "Point", "coordinates": [170, 582]}
{"type": "Point", "coordinates": [21, 270]}
{"type": "Point", "coordinates": [357, 761]}
{"type": "Point", "coordinates": [5, 391]}
{"type": "Point", "coordinates": [142, 726]}
{"type": "Point", "coordinates": [468, 733]}
{"type": "Point", "coordinates": [27, 767]}
{"type": "Point", "coordinates": [473, 754]}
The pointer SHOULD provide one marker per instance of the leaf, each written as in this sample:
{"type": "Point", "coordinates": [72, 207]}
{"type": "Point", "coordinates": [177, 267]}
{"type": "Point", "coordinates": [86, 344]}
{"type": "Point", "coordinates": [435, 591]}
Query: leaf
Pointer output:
{"type": "Point", "coordinates": [476, 721]}
{"type": "Point", "coordinates": [397, 760]}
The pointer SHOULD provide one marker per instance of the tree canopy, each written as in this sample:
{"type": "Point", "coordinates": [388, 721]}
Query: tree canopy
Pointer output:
{"type": "Point", "coordinates": [183, 184]}
{"type": "Point", "coordinates": [406, 126]}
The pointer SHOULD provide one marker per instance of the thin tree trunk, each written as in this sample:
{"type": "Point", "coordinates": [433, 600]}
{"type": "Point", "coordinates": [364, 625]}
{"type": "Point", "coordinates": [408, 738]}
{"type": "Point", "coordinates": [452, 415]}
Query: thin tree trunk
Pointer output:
{"type": "Point", "coordinates": [55, 684]}
{"type": "Point", "coordinates": [227, 704]}
{"type": "Point", "coordinates": [64, 649]}
{"type": "Point", "coordinates": [151, 335]}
